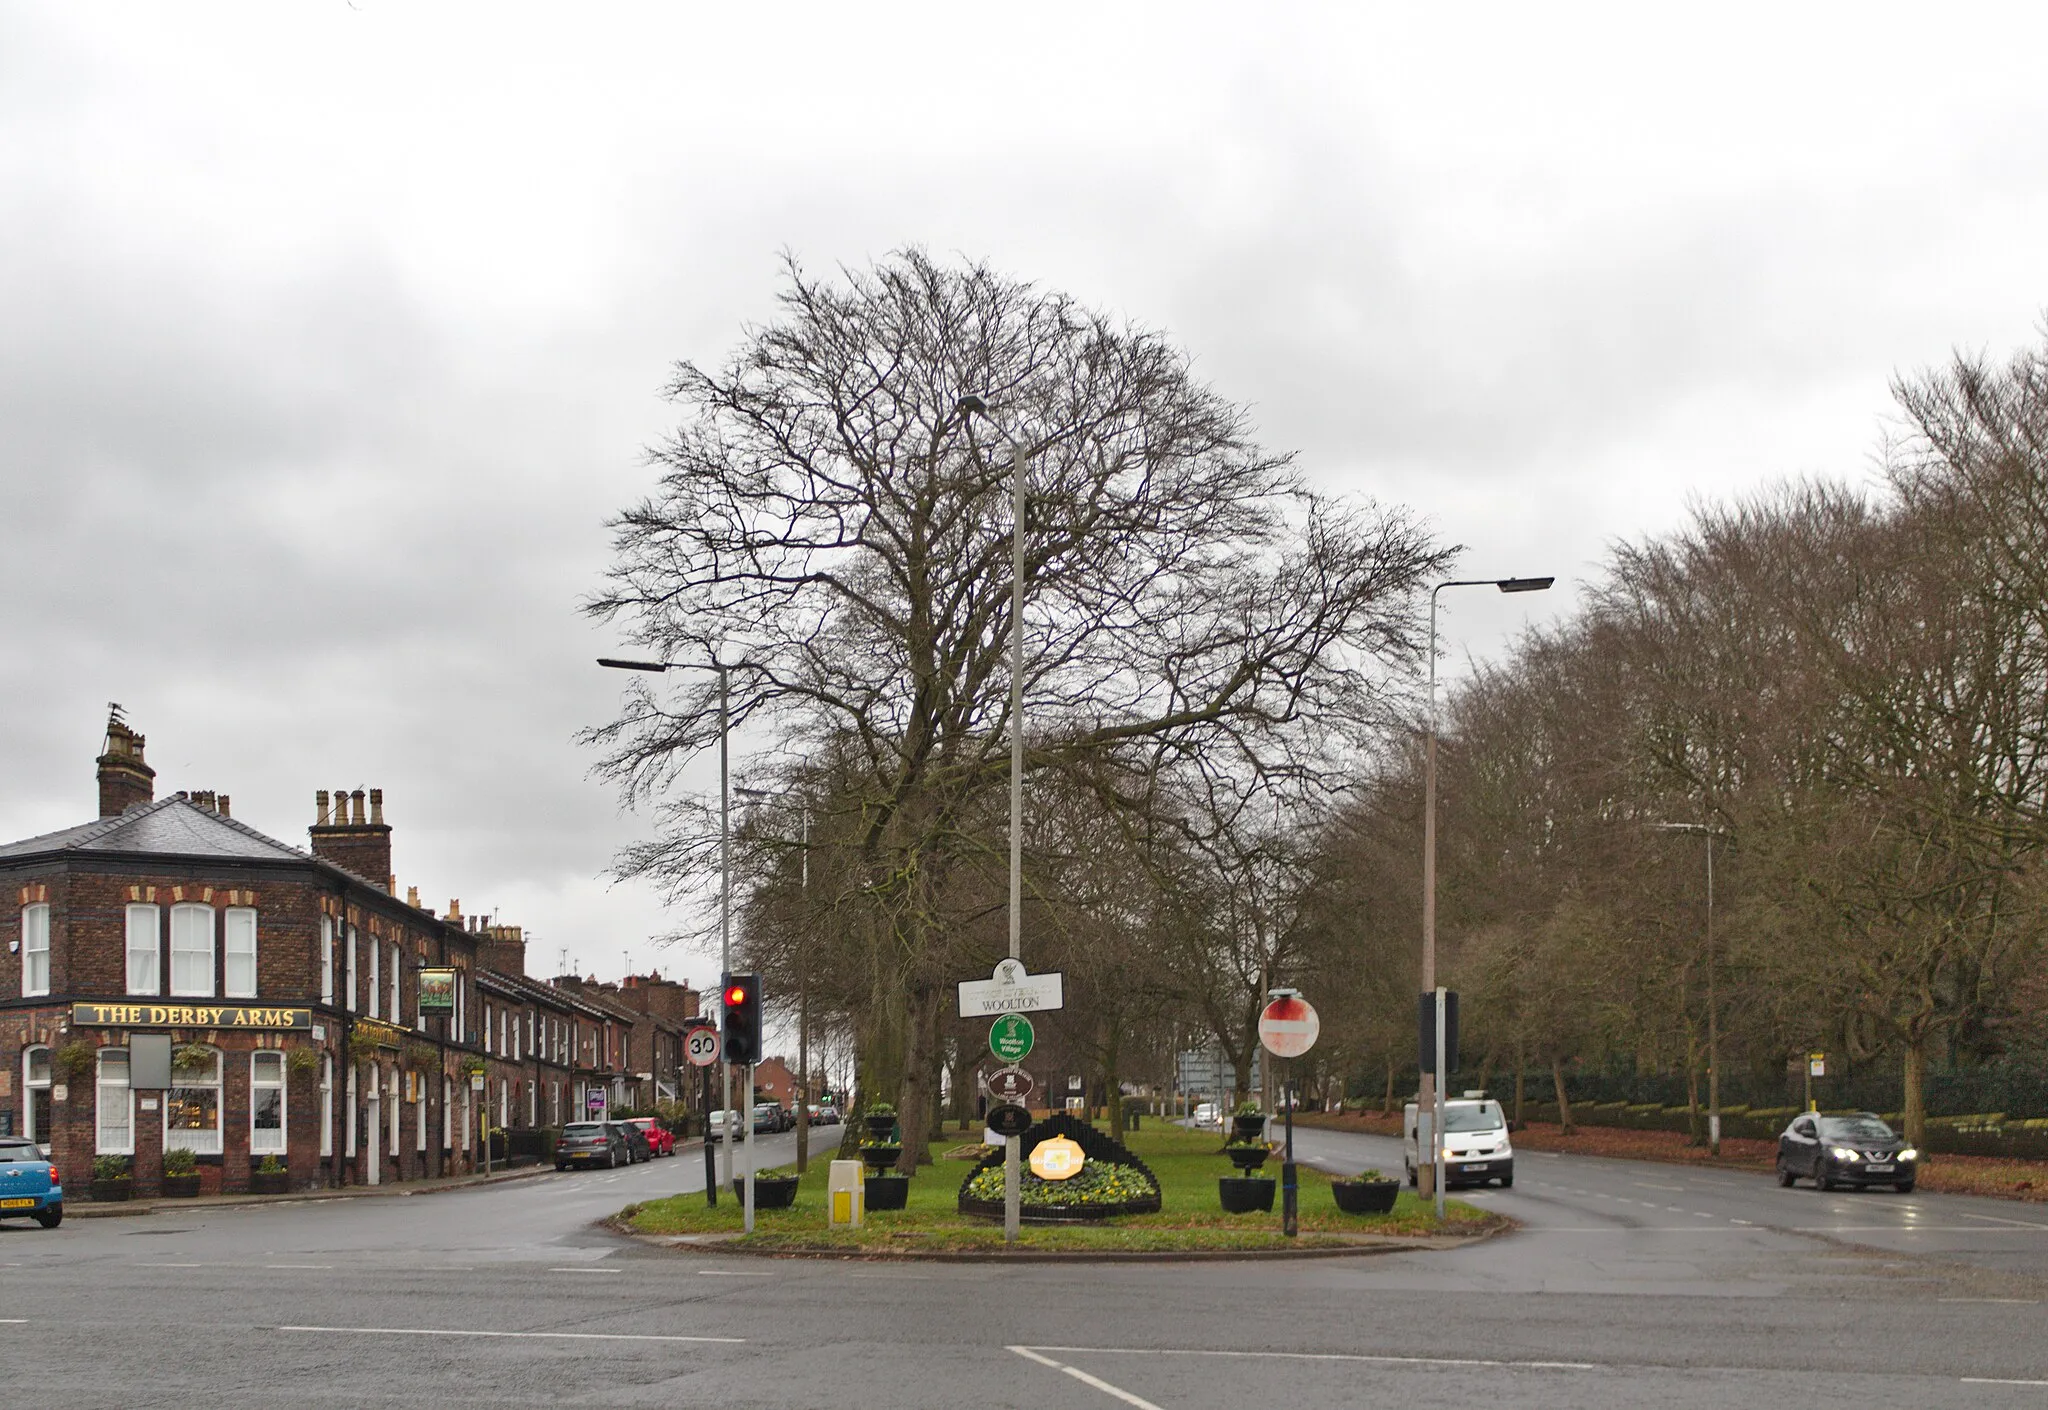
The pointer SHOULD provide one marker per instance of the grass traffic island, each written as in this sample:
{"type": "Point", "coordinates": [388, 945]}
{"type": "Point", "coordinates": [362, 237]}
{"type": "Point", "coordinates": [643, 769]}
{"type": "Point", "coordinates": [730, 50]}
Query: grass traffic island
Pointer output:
{"type": "Point", "coordinates": [1190, 1218]}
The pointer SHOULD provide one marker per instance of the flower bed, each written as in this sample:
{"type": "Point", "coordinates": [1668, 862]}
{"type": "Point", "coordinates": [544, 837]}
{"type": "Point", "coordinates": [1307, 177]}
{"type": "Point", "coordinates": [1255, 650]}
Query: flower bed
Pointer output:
{"type": "Point", "coordinates": [1101, 1190]}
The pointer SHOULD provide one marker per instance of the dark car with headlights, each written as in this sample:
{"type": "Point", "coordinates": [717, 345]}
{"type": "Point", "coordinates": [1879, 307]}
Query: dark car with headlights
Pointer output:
{"type": "Point", "coordinates": [30, 1187]}
{"type": "Point", "coordinates": [1855, 1149]}
{"type": "Point", "coordinates": [592, 1143]}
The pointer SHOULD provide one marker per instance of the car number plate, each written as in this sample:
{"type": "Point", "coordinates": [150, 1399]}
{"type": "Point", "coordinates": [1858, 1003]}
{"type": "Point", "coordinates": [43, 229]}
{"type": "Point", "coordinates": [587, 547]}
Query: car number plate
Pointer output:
{"type": "Point", "coordinates": [1879, 1169]}
{"type": "Point", "coordinates": [17, 1204]}
{"type": "Point", "coordinates": [1475, 1165]}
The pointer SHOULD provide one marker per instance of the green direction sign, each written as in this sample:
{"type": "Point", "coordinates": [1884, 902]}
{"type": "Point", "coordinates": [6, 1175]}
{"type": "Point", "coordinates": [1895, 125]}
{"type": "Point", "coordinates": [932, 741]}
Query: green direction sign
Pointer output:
{"type": "Point", "coordinates": [1010, 1037]}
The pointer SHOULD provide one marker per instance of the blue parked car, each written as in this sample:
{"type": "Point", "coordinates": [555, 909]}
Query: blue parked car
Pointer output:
{"type": "Point", "coordinates": [29, 1185]}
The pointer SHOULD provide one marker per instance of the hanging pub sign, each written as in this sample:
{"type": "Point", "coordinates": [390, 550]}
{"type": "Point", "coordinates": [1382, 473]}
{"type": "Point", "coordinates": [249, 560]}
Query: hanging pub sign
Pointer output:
{"type": "Point", "coordinates": [437, 991]}
{"type": "Point", "coordinates": [132, 1015]}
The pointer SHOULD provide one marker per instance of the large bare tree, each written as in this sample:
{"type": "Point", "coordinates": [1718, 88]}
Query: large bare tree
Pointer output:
{"type": "Point", "coordinates": [831, 526]}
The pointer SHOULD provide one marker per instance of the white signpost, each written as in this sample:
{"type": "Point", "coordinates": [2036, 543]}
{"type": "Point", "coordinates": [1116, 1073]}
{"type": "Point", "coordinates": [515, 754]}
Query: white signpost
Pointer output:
{"type": "Point", "coordinates": [1011, 990]}
{"type": "Point", "coordinates": [1289, 1026]}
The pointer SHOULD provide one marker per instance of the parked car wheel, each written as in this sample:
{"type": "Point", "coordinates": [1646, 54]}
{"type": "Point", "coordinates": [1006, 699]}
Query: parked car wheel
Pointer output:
{"type": "Point", "coordinates": [1904, 1187]}
{"type": "Point", "coordinates": [1786, 1179]}
{"type": "Point", "coordinates": [51, 1218]}
{"type": "Point", "coordinates": [1507, 1182]}
{"type": "Point", "coordinates": [1823, 1183]}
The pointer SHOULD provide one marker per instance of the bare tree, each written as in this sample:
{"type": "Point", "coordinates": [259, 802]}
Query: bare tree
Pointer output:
{"type": "Point", "coordinates": [829, 524]}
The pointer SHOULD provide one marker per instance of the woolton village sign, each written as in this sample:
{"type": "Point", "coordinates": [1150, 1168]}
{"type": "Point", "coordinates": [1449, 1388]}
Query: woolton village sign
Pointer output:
{"type": "Point", "coordinates": [190, 1016]}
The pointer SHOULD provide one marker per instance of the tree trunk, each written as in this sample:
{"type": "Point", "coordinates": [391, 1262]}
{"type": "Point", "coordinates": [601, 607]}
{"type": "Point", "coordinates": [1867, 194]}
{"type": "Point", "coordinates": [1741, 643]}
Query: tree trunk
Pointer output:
{"type": "Point", "coordinates": [1696, 1134]}
{"type": "Point", "coordinates": [1387, 1099]}
{"type": "Point", "coordinates": [1521, 1071]}
{"type": "Point", "coordinates": [914, 1112]}
{"type": "Point", "coordinates": [1914, 1102]}
{"type": "Point", "coordinates": [1112, 1083]}
{"type": "Point", "coordinates": [1564, 1103]}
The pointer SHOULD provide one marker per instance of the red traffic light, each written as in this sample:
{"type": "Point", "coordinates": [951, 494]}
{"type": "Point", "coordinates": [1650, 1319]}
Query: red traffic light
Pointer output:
{"type": "Point", "coordinates": [737, 994]}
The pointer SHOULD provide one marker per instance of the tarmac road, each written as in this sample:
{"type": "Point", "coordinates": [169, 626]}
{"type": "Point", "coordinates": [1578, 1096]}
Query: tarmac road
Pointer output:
{"type": "Point", "coordinates": [1632, 1285]}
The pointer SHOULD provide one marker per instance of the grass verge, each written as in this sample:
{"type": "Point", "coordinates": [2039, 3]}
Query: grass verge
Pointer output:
{"type": "Point", "coordinates": [1190, 1219]}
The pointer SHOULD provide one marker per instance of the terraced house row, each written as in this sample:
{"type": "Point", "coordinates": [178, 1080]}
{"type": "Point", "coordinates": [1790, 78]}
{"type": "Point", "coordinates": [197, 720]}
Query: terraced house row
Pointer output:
{"type": "Point", "coordinates": [173, 978]}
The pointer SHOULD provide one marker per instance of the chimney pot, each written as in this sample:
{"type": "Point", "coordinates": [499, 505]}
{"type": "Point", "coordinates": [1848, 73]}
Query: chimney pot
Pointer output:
{"type": "Point", "coordinates": [223, 805]}
{"type": "Point", "coordinates": [320, 808]}
{"type": "Point", "coordinates": [377, 805]}
{"type": "Point", "coordinates": [355, 808]}
{"type": "Point", "coordinates": [125, 780]}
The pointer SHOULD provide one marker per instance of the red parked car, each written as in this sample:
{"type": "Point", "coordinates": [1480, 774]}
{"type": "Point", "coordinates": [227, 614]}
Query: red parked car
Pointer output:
{"type": "Point", "coordinates": [659, 1141]}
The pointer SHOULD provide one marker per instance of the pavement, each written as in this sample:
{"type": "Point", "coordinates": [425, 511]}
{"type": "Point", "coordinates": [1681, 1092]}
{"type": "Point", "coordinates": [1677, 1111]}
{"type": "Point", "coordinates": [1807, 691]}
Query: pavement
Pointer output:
{"type": "Point", "coordinates": [1630, 1285]}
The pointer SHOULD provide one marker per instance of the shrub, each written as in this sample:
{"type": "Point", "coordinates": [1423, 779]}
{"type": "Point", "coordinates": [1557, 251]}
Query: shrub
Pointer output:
{"type": "Point", "coordinates": [75, 1060]}
{"type": "Point", "coordinates": [180, 1161]}
{"type": "Point", "coordinates": [1099, 1182]}
{"type": "Point", "coordinates": [1363, 1177]}
{"type": "Point", "coordinates": [270, 1165]}
{"type": "Point", "coordinates": [110, 1167]}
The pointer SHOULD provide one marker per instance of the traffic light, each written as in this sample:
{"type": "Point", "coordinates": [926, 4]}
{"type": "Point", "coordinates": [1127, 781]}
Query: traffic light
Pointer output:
{"type": "Point", "coordinates": [741, 1000]}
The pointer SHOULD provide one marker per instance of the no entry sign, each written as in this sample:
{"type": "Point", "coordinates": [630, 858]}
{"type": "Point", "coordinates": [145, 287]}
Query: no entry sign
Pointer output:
{"type": "Point", "coordinates": [1289, 1026]}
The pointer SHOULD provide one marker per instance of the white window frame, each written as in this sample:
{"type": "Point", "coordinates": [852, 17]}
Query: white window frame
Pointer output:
{"type": "Point", "coordinates": [504, 1103]}
{"type": "Point", "coordinates": [35, 950]}
{"type": "Point", "coordinates": [327, 959]}
{"type": "Point", "coordinates": [262, 1142]}
{"type": "Point", "coordinates": [145, 977]}
{"type": "Point", "coordinates": [468, 1116]}
{"type": "Point", "coordinates": [354, 1099]}
{"type": "Point", "coordinates": [238, 942]}
{"type": "Point", "coordinates": [205, 1139]}
{"type": "Point", "coordinates": [350, 997]}
{"type": "Point", "coordinates": [397, 969]}
{"type": "Point", "coordinates": [327, 1102]}
{"type": "Point", "coordinates": [30, 1085]}
{"type": "Point", "coordinates": [397, 1097]}
{"type": "Point", "coordinates": [447, 1112]}
{"type": "Point", "coordinates": [192, 921]}
{"type": "Point", "coordinates": [376, 985]}
{"type": "Point", "coordinates": [419, 1116]}
{"type": "Point", "coordinates": [108, 1093]}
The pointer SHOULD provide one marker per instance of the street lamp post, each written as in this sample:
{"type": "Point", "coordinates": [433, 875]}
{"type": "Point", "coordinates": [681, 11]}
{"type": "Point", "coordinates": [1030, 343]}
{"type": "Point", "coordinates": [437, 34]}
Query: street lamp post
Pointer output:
{"type": "Point", "coordinates": [724, 887]}
{"type": "Point", "coordinates": [1710, 832]}
{"type": "Point", "coordinates": [803, 994]}
{"type": "Point", "coordinates": [1431, 1093]}
{"type": "Point", "coordinates": [970, 406]}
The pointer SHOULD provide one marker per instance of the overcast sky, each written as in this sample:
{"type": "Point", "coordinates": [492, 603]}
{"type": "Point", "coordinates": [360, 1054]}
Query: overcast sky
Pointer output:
{"type": "Point", "coordinates": [330, 334]}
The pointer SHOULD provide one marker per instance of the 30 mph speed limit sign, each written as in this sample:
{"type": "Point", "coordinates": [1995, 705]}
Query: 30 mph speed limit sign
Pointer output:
{"type": "Point", "coordinates": [701, 1046]}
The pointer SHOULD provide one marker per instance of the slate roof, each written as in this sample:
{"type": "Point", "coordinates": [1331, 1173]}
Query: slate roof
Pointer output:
{"type": "Point", "coordinates": [170, 827]}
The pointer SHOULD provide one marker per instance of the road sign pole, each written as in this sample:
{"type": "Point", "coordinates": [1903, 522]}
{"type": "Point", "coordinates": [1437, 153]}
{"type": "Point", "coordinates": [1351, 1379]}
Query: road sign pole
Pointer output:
{"type": "Point", "coordinates": [1436, 1117]}
{"type": "Point", "coordinates": [1289, 1206]}
{"type": "Point", "coordinates": [1013, 1187]}
{"type": "Point", "coordinates": [749, 1197]}
{"type": "Point", "coordinates": [710, 1158]}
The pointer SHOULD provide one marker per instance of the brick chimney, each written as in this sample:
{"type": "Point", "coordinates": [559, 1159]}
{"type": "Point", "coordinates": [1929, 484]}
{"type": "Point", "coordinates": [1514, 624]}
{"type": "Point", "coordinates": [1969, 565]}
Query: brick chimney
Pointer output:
{"type": "Point", "coordinates": [125, 780]}
{"type": "Point", "coordinates": [664, 999]}
{"type": "Point", "coordinates": [502, 948]}
{"type": "Point", "coordinates": [350, 840]}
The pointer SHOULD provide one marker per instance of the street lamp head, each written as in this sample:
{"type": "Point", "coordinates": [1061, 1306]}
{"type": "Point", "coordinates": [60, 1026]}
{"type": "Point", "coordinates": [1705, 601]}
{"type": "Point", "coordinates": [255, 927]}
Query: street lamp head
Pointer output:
{"type": "Point", "coordinates": [1523, 584]}
{"type": "Point", "coordinates": [618, 665]}
{"type": "Point", "coordinates": [973, 404]}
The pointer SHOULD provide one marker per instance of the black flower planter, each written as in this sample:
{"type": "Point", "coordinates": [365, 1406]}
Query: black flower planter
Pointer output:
{"type": "Point", "coordinates": [881, 1126]}
{"type": "Point", "coordinates": [1246, 1194]}
{"type": "Point", "coordinates": [111, 1191]}
{"type": "Point", "coordinates": [1248, 1128]}
{"type": "Point", "coordinates": [181, 1186]}
{"type": "Point", "coordinates": [770, 1191]}
{"type": "Point", "coordinates": [888, 1191]}
{"type": "Point", "coordinates": [878, 1158]}
{"type": "Point", "coordinates": [1247, 1157]}
{"type": "Point", "coordinates": [270, 1182]}
{"type": "Point", "coordinates": [1365, 1196]}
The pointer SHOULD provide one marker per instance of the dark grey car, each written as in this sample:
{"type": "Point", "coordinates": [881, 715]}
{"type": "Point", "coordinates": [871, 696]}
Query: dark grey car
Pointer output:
{"type": "Point", "coordinates": [1855, 1149]}
{"type": "Point", "coordinates": [592, 1143]}
{"type": "Point", "coordinates": [637, 1148]}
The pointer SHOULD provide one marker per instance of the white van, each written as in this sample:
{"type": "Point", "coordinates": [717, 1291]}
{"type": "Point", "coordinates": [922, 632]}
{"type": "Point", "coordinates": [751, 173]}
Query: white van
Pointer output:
{"type": "Point", "coordinates": [1476, 1148]}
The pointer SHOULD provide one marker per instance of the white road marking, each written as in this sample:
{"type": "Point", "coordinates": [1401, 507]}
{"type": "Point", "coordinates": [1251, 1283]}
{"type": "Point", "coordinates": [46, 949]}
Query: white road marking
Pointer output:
{"type": "Point", "coordinates": [15, 1321]}
{"type": "Point", "coordinates": [1082, 1376]}
{"type": "Point", "coordinates": [311, 1267]}
{"type": "Point", "coordinates": [1994, 1381]}
{"type": "Point", "coordinates": [1307, 1356]}
{"type": "Point", "coordinates": [729, 1273]}
{"type": "Point", "coordinates": [1645, 1184]}
{"type": "Point", "coordinates": [2016, 1223]}
{"type": "Point", "coordinates": [531, 1336]}
{"type": "Point", "coordinates": [586, 1270]}
{"type": "Point", "coordinates": [2009, 1301]}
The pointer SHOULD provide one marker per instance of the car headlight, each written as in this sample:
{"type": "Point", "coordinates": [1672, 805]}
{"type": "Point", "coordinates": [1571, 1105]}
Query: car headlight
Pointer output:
{"type": "Point", "coordinates": [1843, 1153]}
{"type": "Point", "coordinates": [1909, 1154]}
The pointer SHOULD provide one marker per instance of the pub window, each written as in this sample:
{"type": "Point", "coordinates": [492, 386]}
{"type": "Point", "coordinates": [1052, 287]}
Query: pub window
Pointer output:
{"type": "Point", "coordinates": [393, 1107]}
{"type": "Point", "coordinates": [326, 961]}
{"type": "Point", "coordinates": [327, 1104]}
{"type": "Point", "coordinates": [376, 951]}
{"type": "Point", "coordinates": [419, 1114]}
{"type": "Point", "coordinates": [113, 1105]}
{"type": "Point", "coordinates": [266, 1103]}
{"type": "Point", "coordinates": [447, 1110]}
{"type": "Point", "coordinates": [351, 971]}
{"type": "Point", "coordinates": [397, 968]}
{"type": "Point", "coordinates": [239, 967]}
{"type": "Point", "coordinates": [35, 1073]}
{"type": "Point", "coordinates": [504, 1104]}
{"type": "Point", "coordinates": [35, 950]}
{"type": "Point", "coordinates": [145, 945]}
{"type": "Point", "coordinates": [468, 1118]}
{"type": "Point", "coordinates": [192, 1105]}
{"type": "Point", "coordinates": [348, 1140]}
{"type": "Point", "coordinates": [192, 951]}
